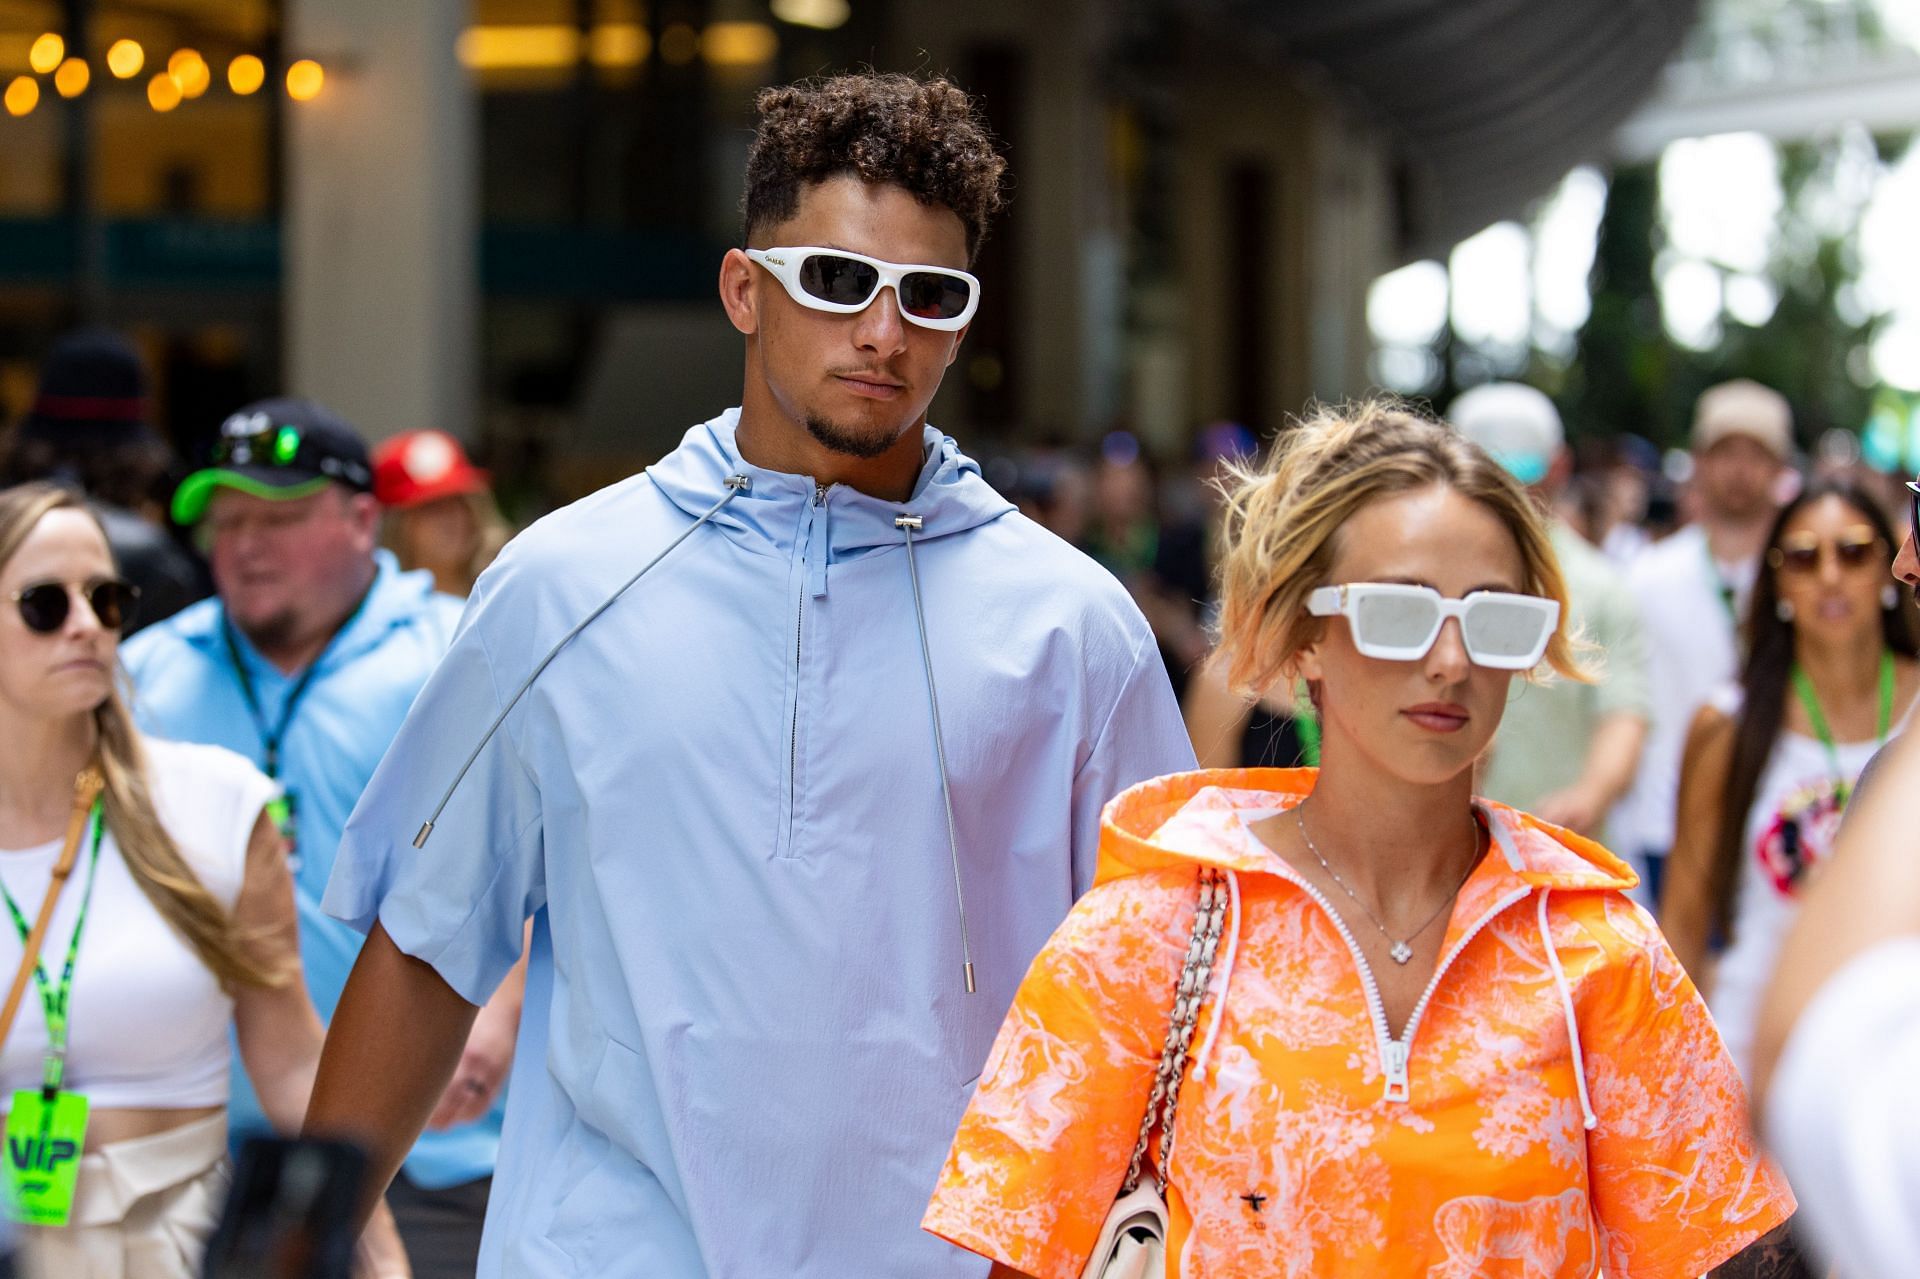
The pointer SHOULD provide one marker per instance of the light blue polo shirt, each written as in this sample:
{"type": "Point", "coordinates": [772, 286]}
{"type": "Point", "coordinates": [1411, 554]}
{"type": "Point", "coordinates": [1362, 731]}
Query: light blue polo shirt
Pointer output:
{"type": "Point", "coordinates": [185, 688]}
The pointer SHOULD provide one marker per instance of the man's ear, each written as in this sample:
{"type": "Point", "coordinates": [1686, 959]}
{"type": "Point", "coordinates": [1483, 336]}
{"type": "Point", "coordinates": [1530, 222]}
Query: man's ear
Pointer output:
{"type": "Point", "coordinates": [959, 336]}
{"type": "Point", "coordinates": [737, 292]}
{"type": "Point", "coordinates": [363, 510]}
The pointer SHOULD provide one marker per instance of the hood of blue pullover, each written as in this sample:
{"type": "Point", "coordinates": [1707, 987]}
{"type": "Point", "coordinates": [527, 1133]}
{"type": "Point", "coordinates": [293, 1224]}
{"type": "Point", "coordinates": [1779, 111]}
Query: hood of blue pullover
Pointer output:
{"type": "Point", "coordinates": [777, 510]}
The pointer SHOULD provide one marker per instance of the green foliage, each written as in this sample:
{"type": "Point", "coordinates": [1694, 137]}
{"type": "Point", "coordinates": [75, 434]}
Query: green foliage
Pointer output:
{"type": "Point", "coordinates": [1629, 375]}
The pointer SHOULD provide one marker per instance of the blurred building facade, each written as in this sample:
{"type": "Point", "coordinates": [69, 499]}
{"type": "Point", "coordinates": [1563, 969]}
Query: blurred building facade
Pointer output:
{"type": "Point", "coordinates": [504, 217]}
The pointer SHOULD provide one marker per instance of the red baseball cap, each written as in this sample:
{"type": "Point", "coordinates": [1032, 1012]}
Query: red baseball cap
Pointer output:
{"type": "Point", "coordinates": [424, 466]}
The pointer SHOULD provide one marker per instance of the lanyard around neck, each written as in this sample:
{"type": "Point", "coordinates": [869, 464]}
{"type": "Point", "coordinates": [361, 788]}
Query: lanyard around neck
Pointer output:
{"type": "Point", "coordinates": [1728, 595]}
{"type": "Point", "coordinates": [271, 738]}
{"type": "Point", "coordinates": [54, 999]}
{"type": "Point", "coordinates": [1810, 702]}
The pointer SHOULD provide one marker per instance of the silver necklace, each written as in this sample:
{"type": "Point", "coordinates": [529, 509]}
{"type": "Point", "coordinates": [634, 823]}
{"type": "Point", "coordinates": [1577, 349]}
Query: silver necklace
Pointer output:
{"type": "Point", "coordinates": [1398, 948]}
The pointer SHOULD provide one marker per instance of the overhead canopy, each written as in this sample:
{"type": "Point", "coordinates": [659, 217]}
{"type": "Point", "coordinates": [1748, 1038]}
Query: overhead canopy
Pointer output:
{"type": "Point", "coordinates": [1491, 101]}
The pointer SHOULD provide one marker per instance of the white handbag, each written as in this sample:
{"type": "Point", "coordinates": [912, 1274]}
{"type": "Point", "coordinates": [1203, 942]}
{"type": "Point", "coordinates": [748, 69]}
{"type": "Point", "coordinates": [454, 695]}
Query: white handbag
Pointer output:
{"type": "Point", "coordinates": [1133, 1242]}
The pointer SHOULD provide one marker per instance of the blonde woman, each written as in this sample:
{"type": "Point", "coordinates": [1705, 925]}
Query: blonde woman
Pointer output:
{"type": "Point", "coordinates": [174, 925]}
{"type": "Point", "coordinates": [1438, 1039]}
{"type": "Point", "coordinates": [440, 512]}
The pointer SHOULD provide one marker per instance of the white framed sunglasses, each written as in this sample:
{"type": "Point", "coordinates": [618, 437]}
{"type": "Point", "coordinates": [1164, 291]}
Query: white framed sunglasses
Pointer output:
{"type": "Point", "coordinates": [1399, 623]}
{"type": "Point", "coordinates": [834, 280]}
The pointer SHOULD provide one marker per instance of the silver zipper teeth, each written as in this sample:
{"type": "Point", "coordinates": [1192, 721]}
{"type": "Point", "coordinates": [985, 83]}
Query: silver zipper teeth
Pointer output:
{"type": "Point", "coordinates": [1375, 1007]}
{"type": "Point", "coordinates": [799, 630]}
{"type": "Point", "coordinates": [1419, 1009]}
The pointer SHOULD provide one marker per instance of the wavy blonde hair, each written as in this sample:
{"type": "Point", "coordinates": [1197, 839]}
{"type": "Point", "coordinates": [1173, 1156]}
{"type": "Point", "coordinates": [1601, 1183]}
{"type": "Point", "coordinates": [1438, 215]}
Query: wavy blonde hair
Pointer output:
{"type": "Point", "coordinates": [127, 801]}
{"type": "Point", "coordinates": [1284, 516]}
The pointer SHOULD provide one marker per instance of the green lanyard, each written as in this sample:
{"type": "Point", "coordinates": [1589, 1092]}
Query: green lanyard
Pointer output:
{"type": "Point", "coordinates": [1803, 689]}
{"type": "Point", "coordinates": [270, 737]}
{"type": "Point", "coordinates": [1306, 726]}
{"type": "Point", "coordinates": [1722, 586]}
{"type": "Point", "coordinates": [54, 998]}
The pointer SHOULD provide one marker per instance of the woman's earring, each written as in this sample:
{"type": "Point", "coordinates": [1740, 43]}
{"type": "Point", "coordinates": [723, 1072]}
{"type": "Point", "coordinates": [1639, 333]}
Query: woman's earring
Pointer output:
{"type": "Point", "coordinates": [1784, 610]}
{"type": "Point", "coordinates": [1889, 597]}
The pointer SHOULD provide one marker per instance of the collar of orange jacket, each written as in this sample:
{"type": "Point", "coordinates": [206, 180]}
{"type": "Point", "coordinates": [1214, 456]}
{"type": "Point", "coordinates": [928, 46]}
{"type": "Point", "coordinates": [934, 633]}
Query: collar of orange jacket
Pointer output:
{"type": "Point", "coordinates": [1135, 834]}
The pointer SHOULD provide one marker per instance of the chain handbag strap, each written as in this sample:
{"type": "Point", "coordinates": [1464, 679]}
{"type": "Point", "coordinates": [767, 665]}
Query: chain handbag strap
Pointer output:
{"type": "Point", "coordinates": [1208, 920]}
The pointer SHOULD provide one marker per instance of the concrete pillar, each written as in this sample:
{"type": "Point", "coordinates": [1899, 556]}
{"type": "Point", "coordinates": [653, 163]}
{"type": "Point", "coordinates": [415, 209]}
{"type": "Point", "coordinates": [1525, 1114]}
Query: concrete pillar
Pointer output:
{"type": "Point", "coordinates": [381, 229]}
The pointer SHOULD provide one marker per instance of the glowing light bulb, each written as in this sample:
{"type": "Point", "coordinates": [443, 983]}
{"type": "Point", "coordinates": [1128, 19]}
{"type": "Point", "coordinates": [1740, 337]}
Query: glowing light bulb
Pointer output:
{"type": "Point", "coordinates": [73, 77]}
{"type": "Point", "coordinates": [163, 92]}
{"type": "Point", "coordinates": [125, 58]}
{"type": "Point", "coordinates": [189, 70]}
{"type": "Point", "coordinates": [823, 15]}
{"type": "Point", "coordinates": [23, 95]}
{"type": "Point", "coordinates": [304, 80]}
{"type": "Point", "coordinates": [245, 74]}
{"type": "Point", "coordinates": [46, 53]}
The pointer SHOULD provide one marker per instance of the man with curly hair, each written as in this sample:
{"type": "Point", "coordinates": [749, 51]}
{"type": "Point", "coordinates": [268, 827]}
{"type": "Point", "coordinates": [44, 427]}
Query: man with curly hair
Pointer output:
{"type": "Point", "coordinates": [800, 805]}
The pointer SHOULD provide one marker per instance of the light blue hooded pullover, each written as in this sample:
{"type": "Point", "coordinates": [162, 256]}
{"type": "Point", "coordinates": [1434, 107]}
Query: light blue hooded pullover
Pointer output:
{"type": "Point", "coordinates": [748, 1037]}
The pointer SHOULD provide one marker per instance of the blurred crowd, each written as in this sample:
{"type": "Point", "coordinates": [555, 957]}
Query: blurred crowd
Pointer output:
{"type": "Point", "coordinates": [1737, 596]}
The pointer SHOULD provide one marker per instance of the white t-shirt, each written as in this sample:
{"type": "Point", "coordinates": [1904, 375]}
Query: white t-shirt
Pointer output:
{"type": "Point", "coordinates": [1691, 651]}
{"type": "Point", "coordinates": [147, 1020]}
{"type": "Point", "coordinates": [1841, 1114]}
{"type": "Point", "coordinates": [1789, 830]}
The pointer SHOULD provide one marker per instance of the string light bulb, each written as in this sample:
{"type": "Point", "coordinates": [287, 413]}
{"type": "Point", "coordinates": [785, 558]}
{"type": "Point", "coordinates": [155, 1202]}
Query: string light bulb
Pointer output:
{"type": "Point", "coordinates": [245, 74]}
{"type": "Point", "coordinates": [46, 53]}
{"type": "Point", "coordinates": [73, 77]}
{"type": "Point", "coordinates": [125, 58]}
{"type": "Point", "coordinates": [163, 93]}
{"type": "Point", "coordinates": [189, 70]}
{"type": "Point", "coordinates": [23, 95]}
{"type": "Point", "coordinates": [305, 79]}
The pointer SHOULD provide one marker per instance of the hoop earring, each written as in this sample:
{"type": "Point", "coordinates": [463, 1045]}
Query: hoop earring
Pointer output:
{"type": "Point", "coordinates": [1889, 597]}
{"type": "Point", "coordinates": [1784, 610]}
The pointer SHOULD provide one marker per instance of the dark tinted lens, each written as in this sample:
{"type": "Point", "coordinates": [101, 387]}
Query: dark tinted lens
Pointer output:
{"type": "Point", "coordinates": [44, 607]}
{"type": "Point", "coordinates": [841, 281]}
{"type": "Point", "coordinates": [1854, 554]}
{"type": "Point", "coordinates": [1800, 559]}
{"type": "Point", "coordinates": [933, 295]}
{"type": "Point", "coordinates": [113, 603]}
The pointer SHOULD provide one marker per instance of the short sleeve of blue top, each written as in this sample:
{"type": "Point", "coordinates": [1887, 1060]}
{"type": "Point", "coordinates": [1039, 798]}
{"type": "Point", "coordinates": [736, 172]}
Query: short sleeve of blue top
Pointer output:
{"type": "Point", "coordinates": [185, 688]}
{"type": "Point", "coordinates": [726, 793]}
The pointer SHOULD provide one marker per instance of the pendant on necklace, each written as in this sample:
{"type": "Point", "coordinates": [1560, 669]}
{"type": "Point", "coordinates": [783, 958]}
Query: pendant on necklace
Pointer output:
{"type": "Point", "coordinates": [1401, 952]}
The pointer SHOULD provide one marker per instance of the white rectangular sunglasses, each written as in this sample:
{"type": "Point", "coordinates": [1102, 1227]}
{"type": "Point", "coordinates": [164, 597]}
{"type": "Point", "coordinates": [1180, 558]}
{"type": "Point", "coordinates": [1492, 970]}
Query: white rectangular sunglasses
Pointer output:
{"type": "Point", "coordinates": [1399, 623]}
{"type": "Point", "coordinates": [933, 297]}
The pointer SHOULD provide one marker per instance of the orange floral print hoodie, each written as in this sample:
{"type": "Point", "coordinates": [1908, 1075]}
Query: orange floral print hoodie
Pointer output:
{"type": "Point", "coordinates": [1558, 1104]}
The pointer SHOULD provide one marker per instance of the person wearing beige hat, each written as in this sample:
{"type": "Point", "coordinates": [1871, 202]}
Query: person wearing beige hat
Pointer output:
{"type": "Point", "coordinates": [1692, 590]}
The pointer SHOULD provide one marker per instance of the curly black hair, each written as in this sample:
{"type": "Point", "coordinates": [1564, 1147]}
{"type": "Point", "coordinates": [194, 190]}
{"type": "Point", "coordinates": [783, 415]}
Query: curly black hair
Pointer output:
{"type": "Point", "coordinates": [923, 135]}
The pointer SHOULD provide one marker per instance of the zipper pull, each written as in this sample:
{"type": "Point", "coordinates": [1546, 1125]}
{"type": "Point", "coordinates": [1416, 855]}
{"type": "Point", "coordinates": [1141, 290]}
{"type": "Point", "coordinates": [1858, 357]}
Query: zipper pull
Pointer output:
{"type": "Point", "coordinates": [817, 543]}
{"type": "Point", "coordinates": [1395, 1059]}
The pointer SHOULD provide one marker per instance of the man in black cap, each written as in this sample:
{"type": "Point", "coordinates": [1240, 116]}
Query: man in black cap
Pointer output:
{"type": "Point", "coordinates": [88, 428]}
{"type": "Point", "coordinates": [306, 663]}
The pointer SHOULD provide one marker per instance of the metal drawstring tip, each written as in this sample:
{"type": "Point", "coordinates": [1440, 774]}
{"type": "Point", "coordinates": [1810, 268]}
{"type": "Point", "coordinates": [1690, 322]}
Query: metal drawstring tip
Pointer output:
{"type": "Point", "coordinates": [970, 977]}
{"type": "Point", "coordinates": [420, 840]}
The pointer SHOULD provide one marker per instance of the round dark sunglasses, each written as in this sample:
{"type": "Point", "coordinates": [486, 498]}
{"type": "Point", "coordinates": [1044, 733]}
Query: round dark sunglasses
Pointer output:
{"type": "Point", "coordinates": [44, 606]}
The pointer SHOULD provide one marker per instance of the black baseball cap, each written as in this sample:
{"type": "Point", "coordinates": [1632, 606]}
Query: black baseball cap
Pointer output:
{"type": "Point", "coordinates": [278, 449]}
{"type": "Point", "coordinates": [93, 390]}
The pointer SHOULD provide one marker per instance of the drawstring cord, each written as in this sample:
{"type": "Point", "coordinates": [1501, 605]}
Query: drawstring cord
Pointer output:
{"type": "Point", "coordinates": [736, 484]}
{"type": "Point", "coordinates": [909, 525]}
{"type": "Point", "coordinates": [1588, 1119]}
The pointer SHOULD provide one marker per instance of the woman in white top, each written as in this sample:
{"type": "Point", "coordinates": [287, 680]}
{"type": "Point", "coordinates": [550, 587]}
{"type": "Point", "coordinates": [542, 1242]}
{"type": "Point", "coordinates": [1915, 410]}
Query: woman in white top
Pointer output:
{"type": "Point", "coordinates": [176, 923]}
{"type": "Point", "coordinates": [1770, 764]}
